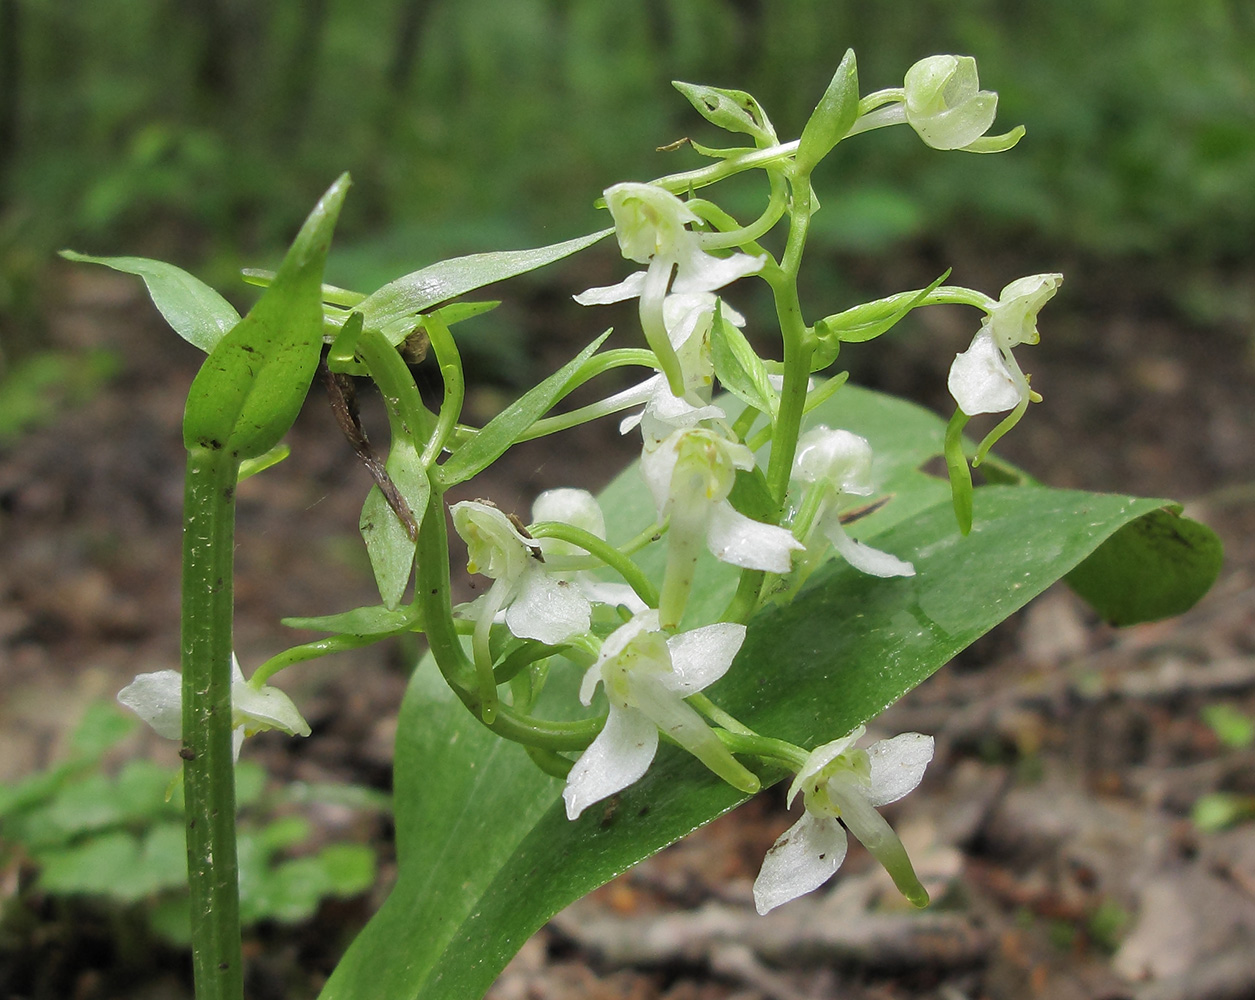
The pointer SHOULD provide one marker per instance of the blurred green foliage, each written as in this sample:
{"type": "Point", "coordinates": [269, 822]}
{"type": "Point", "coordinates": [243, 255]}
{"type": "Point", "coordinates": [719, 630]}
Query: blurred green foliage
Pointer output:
{"type": "Point", "coordinates": [208, 127]}
{"type": "Point", "coordinates": [118, 839]}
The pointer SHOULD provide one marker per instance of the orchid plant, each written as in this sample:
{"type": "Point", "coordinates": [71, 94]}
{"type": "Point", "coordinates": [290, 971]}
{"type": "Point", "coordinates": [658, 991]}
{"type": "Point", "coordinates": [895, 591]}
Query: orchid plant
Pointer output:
{"type": "Point", "coordinates": [720, 621]}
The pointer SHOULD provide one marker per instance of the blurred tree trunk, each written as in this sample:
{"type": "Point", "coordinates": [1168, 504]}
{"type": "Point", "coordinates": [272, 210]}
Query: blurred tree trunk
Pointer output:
{"type": "Point", "coordinates": [298, 84]}
{"type": "Point", "coordinates": [409, 39]}
{"type": "Point", "coordinates": [10, 92]}
{"type": "Point", "coordinates": [215, 76]}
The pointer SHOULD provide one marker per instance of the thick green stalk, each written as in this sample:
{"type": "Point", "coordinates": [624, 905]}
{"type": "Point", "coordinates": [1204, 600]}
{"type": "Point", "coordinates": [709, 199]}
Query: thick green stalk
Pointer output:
{"type": "Point", "coordinates": [208, 759]}
{"type": "Point", "coordinates": [799, 344]}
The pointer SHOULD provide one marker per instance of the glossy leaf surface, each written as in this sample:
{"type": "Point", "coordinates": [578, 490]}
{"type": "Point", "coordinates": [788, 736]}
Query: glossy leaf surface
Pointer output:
{"type": "Point", "coordinates": [486, 853]}
{"type": "Point", "coordinates": [422, 289]}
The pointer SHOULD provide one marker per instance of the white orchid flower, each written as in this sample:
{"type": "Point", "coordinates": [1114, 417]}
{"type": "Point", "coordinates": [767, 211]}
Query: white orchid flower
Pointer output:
{"type": "Point", "coordinates": [650, 225]}
{"type": "Point", "coordinates": [647, 675]}
{"type": "Point", "coordinates": [690, 475]}
{"type": "Point", "coordinates": [986, 378]}
{"type": "Point", "coordinates": [841, 784]}
{"type": "Point", "coordinates": [942, 101]}
{"type": "Point", "coordinates": [157, 698]}
{"type": "Point", "coordinates": [537, 605]}
{"type": "Point", "coordinates": [580, 509]}
{"type": "Point", "coordinates": [689, 318]}
{"type": "Point", "coordinates": [839, 463]}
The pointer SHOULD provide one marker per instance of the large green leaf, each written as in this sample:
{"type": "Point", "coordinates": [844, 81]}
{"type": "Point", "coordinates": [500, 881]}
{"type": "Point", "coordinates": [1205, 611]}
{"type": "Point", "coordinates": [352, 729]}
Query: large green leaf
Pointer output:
{"type": "Point", "coordinates": [398, 300]}
{"type": "Point", "coordinates": [195, 311]}
{"type": "Point", "coordinates": [486, 853]}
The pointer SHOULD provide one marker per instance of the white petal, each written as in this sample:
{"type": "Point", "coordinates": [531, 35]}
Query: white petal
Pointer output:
{"type": "Point", "coordinates": [734, 538]}
{"type": "Point", "coordinates": [614, 594]}
{"type": "Point", "coordinates": [657, 467]}
{"type": "Point", "coordinates": [821, 757]}
{"type": "Point", "coordinates": [839, 457]}
{"type": "Point", "coordinates": [546, 609]}
{"type": "Point", "coordinates": [806, 856]}
{"type": "Point", "coordinates": [699, 271]}
{"type": "Point", "coordinates": [862, 557]}
{"type": "Point", "coordinates": [578, 508]}
{"type": "Point", "coordinates": [629, 288]}
{"type": "Point", "coordinates": [157, 698]}
{"type": "Point", "coordinates": [619, 756]}
{"type": "Point", "coordinates": [980, 381]}
{"type": "Point", "coordinates": [266, 708]}
{"type": "Point", "coordinates": [703, 655]}
{"type": "Point", "coordinates": [897, 766]}
{"type": "Point", "coordinates": [681, 723]}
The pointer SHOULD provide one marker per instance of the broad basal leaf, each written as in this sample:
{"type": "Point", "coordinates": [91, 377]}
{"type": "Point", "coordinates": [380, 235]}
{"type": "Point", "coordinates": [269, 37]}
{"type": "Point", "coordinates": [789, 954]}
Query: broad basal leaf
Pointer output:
{"type": "Point", "coordinates": [486, 852]}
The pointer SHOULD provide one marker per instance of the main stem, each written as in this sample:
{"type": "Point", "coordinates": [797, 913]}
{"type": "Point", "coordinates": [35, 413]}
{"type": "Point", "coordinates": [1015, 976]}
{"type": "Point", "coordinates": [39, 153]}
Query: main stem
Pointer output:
{"type": "Point", "coordinates": [208, 758]}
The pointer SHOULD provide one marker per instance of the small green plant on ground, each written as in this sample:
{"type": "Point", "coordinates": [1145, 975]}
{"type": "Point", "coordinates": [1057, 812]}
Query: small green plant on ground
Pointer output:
{"type": "Point", "coordinates": [118, 839]}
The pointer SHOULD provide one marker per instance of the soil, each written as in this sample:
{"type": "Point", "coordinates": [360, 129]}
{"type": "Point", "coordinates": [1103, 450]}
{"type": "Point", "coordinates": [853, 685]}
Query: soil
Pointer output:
{"type": "Point", "coordinates": [1053, 828]}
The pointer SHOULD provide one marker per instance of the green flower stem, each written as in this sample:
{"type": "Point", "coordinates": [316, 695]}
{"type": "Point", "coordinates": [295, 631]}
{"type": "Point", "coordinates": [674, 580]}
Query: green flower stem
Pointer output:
{"type": "Point", "coordinates": [528, 653]}
{"type": "Point", "coordinates": [741, 426]}
{"type": "Point", "coordinates": [799, 344]}
{"type": "Point", "coordinates": [745, 601]}
{"type": "Point", "coordinates": [759, 227]}
{"type": "Point", "coordinates": [793, 757]}
{"type": "Point", "coordinates": [808, 511]}
{"type": "Point", "coordinates": [942, 295]}
{"type": "Point", "coordinates": [390, 373]}
{"type": "Point", "coordinates": [717, 715]}
{"type": "Point", "coordinates": [208, 758]}
{"type": "Point", "coordinates": [432, 590]}
{"type": "Point", "coordinates": [450, 361]}
{"type": "Point", "coordinates": [553, 764]}
{"type": "Point", "coordinates": [311, 651]}
{"type": "Point", "coordinates": [648, 536]}
{"type": "Point", "coordinates": [691, 180]}
{"type": "Point", "coordinates": [960, 474]}
{"type": "Point", "coordinates": [604, 551]}
{"type": "Point", "coordinates": [574, 418]}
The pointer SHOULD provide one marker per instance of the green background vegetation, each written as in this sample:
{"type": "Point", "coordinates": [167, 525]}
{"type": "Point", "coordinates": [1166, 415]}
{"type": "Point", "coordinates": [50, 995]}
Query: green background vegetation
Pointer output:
{"type": "Point", "coordinates": [202, 131]}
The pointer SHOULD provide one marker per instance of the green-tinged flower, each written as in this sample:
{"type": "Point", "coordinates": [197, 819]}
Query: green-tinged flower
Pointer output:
{"type": "Point", "coordinates": [843, 785]}
{"type": "Point", "coordinates": [580, 509]}
{"type": "Point", "coordinates": [157, 698]}
{"type": "Point", "coordinates": [839, 463]}
{"type": "Point", "coordinates": [650, 224]}
{"type": "Point", "coordinates": [986, 378]}
{"type": "Point", "coordinates": [537, 605]}
{"type": "Point", "coordinates": [690, 475]}
{"type": "Point", "coordinates": [647, 675]}
{"type": "Point", "coordinates": [689, 318]}
{"type": "Point", "coordinates": [942, 101]}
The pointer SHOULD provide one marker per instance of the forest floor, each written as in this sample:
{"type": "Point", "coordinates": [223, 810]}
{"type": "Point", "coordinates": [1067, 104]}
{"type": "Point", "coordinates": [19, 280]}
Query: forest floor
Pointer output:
{"type": "Point", "coordinates": [1053, 828]}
